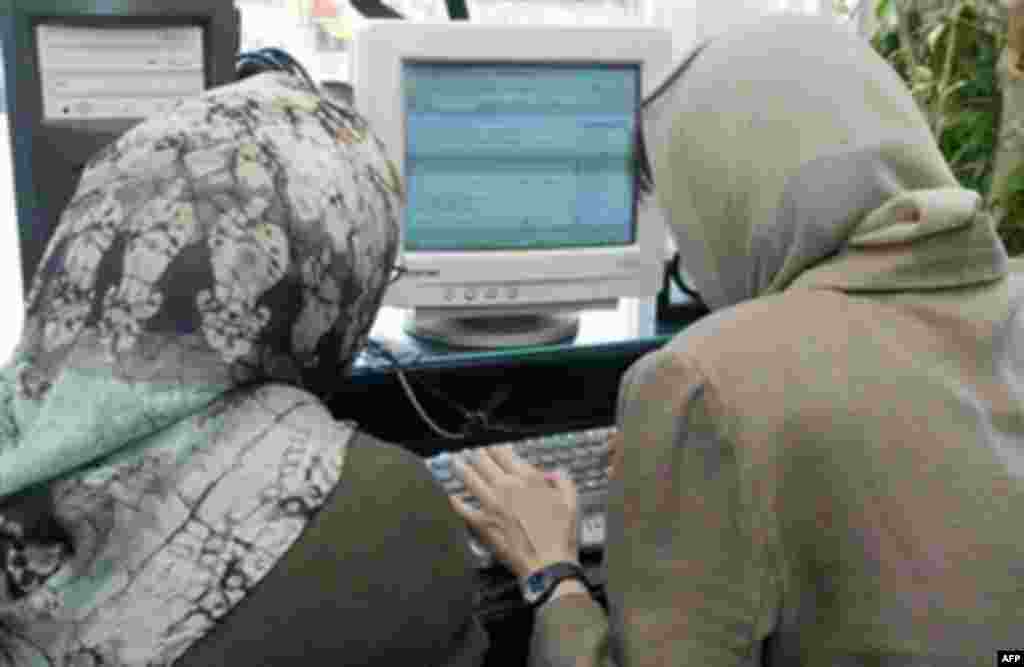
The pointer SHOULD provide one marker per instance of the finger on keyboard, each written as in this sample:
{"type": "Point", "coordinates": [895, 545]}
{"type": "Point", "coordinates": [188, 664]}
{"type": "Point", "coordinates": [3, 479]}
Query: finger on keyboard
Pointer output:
{"type": "Point", "coordinates": [585, 455]}
{"type": "Point", "coordinates": [512, 462]}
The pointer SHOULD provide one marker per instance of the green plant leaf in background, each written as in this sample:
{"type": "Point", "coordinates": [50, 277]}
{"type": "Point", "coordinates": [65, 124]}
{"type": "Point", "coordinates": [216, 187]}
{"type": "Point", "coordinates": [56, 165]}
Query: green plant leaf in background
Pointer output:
{"type": "Point", "coordinates": [959, 91]}
{"type": "Point", "coordinates": [1010, 229]}
{"type": "Point", "coordinates": [882, 9]}
{"type": "Point", "coordinates": [934, 35]}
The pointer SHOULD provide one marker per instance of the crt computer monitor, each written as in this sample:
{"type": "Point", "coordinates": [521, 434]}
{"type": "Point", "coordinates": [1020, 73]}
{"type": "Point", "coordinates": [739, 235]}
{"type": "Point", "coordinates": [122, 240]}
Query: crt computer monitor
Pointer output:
{"type": "Point", "coordinates": [517, 148]}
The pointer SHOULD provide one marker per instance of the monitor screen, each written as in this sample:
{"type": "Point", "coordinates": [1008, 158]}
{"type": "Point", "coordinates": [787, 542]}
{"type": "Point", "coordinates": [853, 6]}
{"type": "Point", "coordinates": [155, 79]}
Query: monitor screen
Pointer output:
{"type": "Point", "coordinates": [506, 156]}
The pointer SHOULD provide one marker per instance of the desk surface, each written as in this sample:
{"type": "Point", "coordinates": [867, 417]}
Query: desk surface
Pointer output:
{"type": "Point", "coordinates": [631, 327]}
{"type": "Point", "coordinates": [543, 389]}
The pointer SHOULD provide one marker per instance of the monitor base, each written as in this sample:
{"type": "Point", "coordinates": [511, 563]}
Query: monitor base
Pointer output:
{"type": "Point", "coordinates": [493, 331]}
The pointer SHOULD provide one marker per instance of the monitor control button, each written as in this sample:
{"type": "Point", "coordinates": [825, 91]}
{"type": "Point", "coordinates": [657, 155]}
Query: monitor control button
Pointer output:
{"type": "Point", "coordinates": [470, 294]}
{"type": "Point", "coordinates": [491, 294]}
{"type": "Point", "coordinates": [449, 294]}
{"type": "Point", "coordinates": [512, 292]}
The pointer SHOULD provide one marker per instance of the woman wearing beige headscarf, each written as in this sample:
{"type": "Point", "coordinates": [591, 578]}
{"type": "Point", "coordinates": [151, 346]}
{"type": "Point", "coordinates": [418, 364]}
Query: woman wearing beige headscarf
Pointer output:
{"type": "Point", "coordinates": [828, 469]}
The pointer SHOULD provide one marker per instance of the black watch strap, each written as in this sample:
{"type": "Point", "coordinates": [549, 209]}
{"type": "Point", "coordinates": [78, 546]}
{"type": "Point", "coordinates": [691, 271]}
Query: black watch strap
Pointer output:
{"type": "Point", "coordinates": [540, 585]}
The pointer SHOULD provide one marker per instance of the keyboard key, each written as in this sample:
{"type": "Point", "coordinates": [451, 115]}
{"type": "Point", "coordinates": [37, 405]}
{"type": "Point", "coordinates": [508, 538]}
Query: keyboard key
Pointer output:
{"type": "Point", "coordinates": [592, 530]}
{"type": "Point", "coordinates": [484, 557]}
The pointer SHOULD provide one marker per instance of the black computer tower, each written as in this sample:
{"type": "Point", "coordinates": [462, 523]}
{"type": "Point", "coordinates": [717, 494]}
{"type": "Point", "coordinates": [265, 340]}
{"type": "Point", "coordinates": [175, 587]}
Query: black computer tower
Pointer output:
{"type": "Point", "coordinates": [52, 141]}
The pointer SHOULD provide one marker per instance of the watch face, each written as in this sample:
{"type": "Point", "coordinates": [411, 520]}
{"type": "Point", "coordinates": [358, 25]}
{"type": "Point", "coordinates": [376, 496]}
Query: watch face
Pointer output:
{"type": "Point", "coordinates": [535, 586]}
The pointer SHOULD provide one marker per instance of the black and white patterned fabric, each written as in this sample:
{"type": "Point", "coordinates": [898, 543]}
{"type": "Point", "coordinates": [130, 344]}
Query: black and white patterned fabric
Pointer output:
{"type": "Point", "coordinates": [161, 440]}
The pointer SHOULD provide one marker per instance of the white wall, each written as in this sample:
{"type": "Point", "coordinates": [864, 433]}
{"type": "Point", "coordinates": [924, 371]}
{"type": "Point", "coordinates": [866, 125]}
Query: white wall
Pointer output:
{"type": "Point", "coordinates": [279, 27]}
{"type": "Point", "coordinates": [680, 17]}
{"type": "Point", "coordinates": [12, 313]}
{"type": "Point", "coordinates": [717, 16]}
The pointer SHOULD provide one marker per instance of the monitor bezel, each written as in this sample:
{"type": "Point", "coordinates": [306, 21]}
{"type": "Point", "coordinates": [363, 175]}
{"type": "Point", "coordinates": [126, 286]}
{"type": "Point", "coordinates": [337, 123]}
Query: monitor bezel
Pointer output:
{"type": "Point", "coordinates": [543, 276]}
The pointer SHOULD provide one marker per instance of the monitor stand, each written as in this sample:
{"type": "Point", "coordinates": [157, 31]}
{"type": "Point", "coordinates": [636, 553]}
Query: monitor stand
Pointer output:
{"type": "Point", "coordinates": [493, 331]}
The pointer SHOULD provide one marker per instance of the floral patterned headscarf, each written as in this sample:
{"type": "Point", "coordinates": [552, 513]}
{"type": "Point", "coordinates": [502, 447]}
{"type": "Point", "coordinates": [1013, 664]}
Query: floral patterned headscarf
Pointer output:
{"type": "Point", "coordinates": [243, 239]}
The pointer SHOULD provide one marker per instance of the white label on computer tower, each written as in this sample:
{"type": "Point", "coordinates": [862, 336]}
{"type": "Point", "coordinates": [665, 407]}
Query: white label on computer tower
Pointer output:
{"type": "Point", "coordinates": [90, 73]}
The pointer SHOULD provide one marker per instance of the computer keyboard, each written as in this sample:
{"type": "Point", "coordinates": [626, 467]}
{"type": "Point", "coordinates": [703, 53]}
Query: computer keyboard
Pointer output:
{"type": "Point", "coordinates": [584, 454]}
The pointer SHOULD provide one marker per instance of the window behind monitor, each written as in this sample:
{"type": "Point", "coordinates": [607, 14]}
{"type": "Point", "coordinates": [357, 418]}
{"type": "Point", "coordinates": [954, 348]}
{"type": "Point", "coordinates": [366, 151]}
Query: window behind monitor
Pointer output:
{"type": "Point", "coordinates": [517, 147]}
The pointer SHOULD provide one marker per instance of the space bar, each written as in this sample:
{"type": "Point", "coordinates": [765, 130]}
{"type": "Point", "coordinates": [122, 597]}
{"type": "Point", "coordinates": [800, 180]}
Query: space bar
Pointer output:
{"type": "Point", "coordinates": [592, 529]}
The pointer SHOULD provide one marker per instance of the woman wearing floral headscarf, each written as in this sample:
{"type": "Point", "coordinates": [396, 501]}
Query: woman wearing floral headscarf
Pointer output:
{"type": "Point", "coordinates": [171, 488]}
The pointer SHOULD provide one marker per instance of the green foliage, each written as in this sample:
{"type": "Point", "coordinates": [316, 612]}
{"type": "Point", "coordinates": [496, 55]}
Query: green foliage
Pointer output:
{"type": "Point", "coordinates": [950, 64]}
{"type": "Point", "coordinates": [1011, 229]}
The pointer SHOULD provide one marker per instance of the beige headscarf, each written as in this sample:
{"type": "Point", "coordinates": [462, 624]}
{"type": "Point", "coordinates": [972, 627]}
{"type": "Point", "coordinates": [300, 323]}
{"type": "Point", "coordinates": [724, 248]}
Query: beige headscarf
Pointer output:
{"type": "Point", "coordinates": [769, 161]}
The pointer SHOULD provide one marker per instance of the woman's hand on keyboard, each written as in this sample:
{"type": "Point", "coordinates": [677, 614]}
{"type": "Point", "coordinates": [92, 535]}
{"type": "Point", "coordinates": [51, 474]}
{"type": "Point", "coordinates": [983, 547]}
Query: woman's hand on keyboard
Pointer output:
{"type": "Point", "coordinates": [527, 519]}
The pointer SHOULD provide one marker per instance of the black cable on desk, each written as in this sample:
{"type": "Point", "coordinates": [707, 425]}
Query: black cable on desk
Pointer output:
{"type": "Point", "coordinates": [475, 423]}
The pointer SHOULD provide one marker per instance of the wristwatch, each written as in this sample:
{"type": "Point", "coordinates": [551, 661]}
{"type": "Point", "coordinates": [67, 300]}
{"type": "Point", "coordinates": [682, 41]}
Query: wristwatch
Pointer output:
{"type": "Point", "coordinates": [539, 586]}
